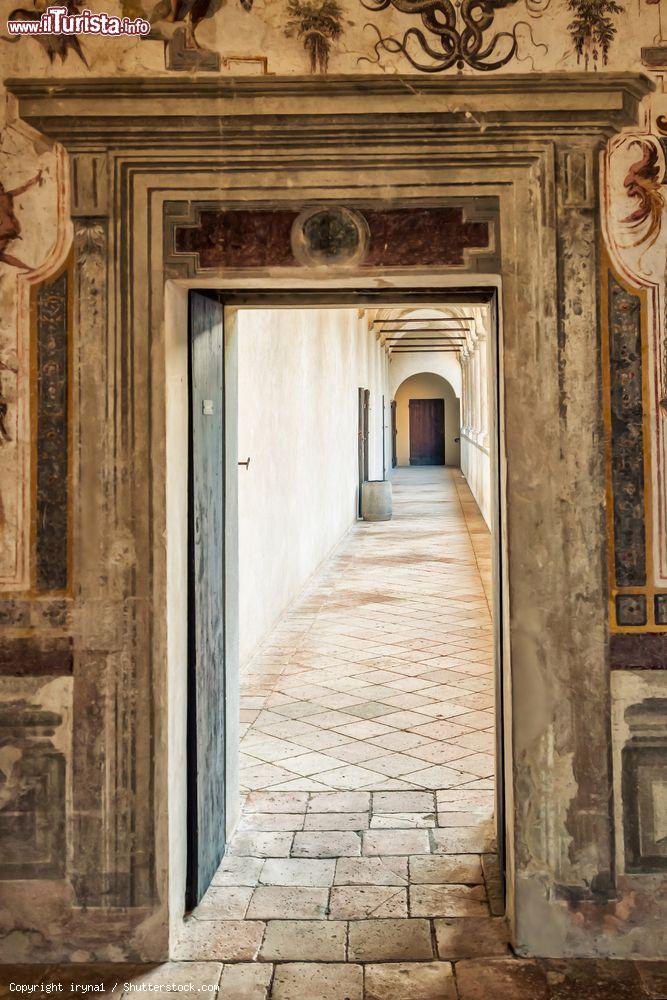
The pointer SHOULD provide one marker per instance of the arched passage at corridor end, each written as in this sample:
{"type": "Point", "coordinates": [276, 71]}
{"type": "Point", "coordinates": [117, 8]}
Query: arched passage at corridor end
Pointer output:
{"type": "Point", "coordinates": [427, 407]}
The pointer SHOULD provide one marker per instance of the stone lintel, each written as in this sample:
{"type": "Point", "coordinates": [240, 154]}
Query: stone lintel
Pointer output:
{"type": "Point", "coordinates": [110, 113]}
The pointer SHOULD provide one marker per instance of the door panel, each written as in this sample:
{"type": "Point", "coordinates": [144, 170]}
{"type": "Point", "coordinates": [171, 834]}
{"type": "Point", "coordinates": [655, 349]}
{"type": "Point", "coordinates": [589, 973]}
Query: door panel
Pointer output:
{"type": "Point", "coordinates": [367, 408]}
{"type": "Point", "coordinates": [427, 431]}
{"type": "Point", "coordinates": [364, 404]}
{"type": "Point", "coordinates": [384, 440]}
{"type": "Point", "coordinates": [206, 668]}
{"type": "Point", "coordinates": [498, 558]}
{"type": "Point", "coordinates": [394, 432]}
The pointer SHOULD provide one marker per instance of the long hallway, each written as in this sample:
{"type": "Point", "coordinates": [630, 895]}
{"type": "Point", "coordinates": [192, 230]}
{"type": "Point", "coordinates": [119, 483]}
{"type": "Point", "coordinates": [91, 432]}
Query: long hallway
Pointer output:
{"type": "Point", "coordinates": [380, 677]}
{"type": "Point", "coordinates": [367, 764]}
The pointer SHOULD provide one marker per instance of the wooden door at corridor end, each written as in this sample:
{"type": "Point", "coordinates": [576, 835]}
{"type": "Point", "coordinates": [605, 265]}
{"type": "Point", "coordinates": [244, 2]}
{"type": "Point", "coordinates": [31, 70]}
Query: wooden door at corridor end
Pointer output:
{"type": "Point", "coordinates": [427, 431]}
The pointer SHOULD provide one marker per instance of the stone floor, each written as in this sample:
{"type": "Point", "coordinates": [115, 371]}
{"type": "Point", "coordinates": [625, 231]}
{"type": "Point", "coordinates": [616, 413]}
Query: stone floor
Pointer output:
{"type": "Point", "coordinates": [468, 979]}
{"type": "Point", "coordinates": [380, 678]}
{"type": "Point", "coordinates": [366, 833]}
{"type": "Point", "coordinates": [363, 866]}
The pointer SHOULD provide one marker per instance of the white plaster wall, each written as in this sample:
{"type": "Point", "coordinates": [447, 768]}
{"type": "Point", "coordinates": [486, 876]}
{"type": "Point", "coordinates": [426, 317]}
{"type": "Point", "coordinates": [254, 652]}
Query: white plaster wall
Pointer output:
{"type": "Point", "coordinates": [475, 427]}
{"type": "Point", "coordinates": [426, 386]}
{"type": "Point", "coordinates": [299, 372]}
{"type": "Point", "coordinates": [380, 408]}
{"type": "Point", "coordinates": [476, 467]}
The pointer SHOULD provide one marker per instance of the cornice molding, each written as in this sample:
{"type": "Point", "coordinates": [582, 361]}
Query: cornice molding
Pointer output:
{"type": "Point", "coordinates": [126, 112]}
{"type": "Point", "coordinates": [416, 85]}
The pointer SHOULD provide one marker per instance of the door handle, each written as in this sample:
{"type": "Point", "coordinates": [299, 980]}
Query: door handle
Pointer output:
{"type": "Point", "coordinates": [246, 463]}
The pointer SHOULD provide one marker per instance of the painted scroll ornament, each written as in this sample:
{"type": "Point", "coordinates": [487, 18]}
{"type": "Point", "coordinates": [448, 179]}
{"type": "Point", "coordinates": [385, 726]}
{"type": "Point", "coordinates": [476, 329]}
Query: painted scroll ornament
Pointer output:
{"type": "Point", "coordinates": [459, 29]}
{"type": "Point", "coordinates": [643, 184]}
{"type": "Point", "coordinates": [633, 183]}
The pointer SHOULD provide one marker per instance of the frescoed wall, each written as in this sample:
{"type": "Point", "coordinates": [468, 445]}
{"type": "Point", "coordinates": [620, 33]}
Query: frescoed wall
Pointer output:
{"type": "Point", "coordinates": [352, 36]}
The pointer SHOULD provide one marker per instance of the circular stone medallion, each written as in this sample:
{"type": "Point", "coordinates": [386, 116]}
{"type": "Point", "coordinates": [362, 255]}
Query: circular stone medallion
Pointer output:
{"type": "Point", "coordinates": [329, 237]}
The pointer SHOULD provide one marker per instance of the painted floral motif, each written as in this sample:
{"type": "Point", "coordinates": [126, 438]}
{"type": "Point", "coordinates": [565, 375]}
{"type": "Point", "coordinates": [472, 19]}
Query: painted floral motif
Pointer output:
{"type": "Point", "coordinates": [643, 183]}
{"type": "Point", "coordinates": [318, 25]}
{"type": "Point", "coordinates": [593, 29]}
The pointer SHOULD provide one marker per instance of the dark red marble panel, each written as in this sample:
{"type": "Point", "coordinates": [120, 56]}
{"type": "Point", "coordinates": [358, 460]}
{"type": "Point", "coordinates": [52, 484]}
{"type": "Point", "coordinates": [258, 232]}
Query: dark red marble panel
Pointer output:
{"type": "Point", "coordinates": [407, 237]}
{"type": "Point", "coordinates": [413, 237]}
{"type": "Point", "coordinates": [231, 238]}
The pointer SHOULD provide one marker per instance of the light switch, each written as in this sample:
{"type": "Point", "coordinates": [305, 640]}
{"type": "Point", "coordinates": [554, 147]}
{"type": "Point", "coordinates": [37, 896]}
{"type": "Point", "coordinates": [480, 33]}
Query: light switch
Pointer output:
{"type": "Point", "coordinates": [207, 407]}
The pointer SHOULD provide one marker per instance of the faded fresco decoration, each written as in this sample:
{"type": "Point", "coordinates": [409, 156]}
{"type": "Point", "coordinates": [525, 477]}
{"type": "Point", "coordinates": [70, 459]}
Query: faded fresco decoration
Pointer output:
{"type": "Point", "coordinates": [351, 36]}
{"type": "Point", "coordinates": [645, 786]}
{"type": "Point", "coordinates": [643, 183]}
{"type": "Point", "coordinates": [33, 792]}
{"type": "Point", "coordinates": [175, 23]}
{"type": "Point", "coordinates": [639, 724]}
{"type": "Point", "coordinates": [457, 35]}
{"type": "Point", "coordinates": [627, 447]}
{"type": "Point", "coordinates": [10, 227]}
{"type": "Point", "coordinates": [634, 176]}
{"type": "Point", "coordinates": [318, 26]}
{"type": "Point", "coordinates": [593, 29]}
{"type": "Point", "coordinates": [56, 47]}
{"type": "Point", "coordinates": [43, 277]}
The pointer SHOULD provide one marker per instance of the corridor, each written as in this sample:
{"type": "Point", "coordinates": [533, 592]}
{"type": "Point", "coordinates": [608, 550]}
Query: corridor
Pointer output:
{"type": "Point", "coordinates": [381, 676]}
{"type": "Point", "coordinates": [367, 762]}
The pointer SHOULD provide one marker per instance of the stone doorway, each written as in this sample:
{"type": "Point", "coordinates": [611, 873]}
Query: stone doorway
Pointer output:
{"type": "Point", "coordinates": [366, 832]}
{"type": "Point", "coordinates": [151, 159]}
{"type": "Point", "coordinates": [334, 699]}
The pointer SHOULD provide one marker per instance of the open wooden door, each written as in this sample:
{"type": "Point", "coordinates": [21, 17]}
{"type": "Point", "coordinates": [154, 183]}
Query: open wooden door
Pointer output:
{"type": "Point", "coordinates": [498, 557]}
{"type": "Point", "coordinates": [394, 432]}
{"type": "Point", "coordinates": [206, 667]}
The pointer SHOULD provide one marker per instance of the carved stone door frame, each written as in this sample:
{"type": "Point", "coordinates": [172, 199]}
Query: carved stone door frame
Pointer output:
{"type": "Point", "coordinates": [530, 144]}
